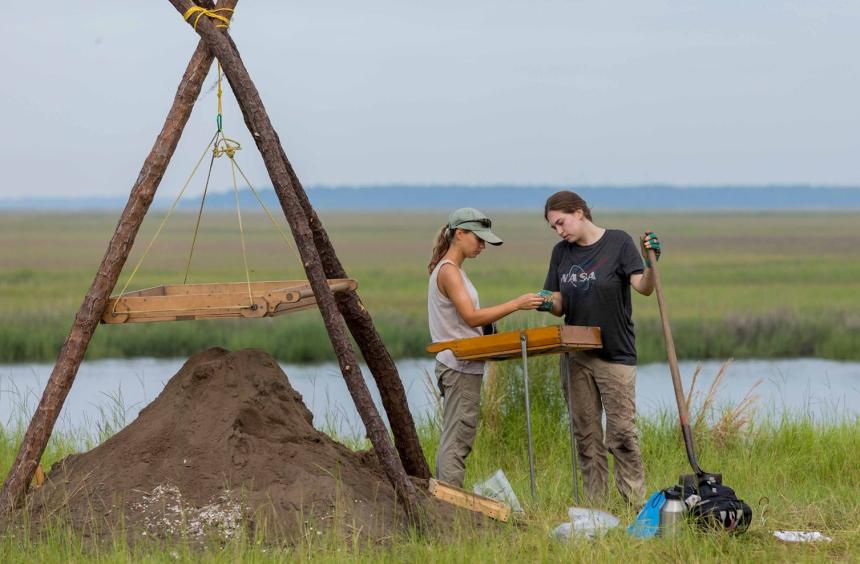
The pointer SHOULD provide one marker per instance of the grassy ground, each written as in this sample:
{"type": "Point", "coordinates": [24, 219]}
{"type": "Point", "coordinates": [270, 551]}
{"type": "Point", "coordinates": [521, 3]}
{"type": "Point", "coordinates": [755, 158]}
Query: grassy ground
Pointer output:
{"type": "Point", "coordinates": [738, 285]}
{"type": "Point", "coordinates": [796, 474]}
{"type": "Point", "coordinates": [742, 285]}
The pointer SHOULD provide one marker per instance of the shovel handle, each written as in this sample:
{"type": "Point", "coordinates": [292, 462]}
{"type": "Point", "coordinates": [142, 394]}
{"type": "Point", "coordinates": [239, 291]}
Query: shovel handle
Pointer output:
{"type": "Point", "coordinates": [683, 411]}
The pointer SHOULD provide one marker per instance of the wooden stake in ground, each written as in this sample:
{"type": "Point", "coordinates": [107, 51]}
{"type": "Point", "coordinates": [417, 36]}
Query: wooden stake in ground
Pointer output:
{"type": "Point", "coordinates": [91, 310]}
{"type": "Point", "coordinates": [222, 46]}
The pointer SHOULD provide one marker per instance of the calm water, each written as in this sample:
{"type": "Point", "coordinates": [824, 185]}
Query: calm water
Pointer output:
{"type": "Point", "coordinates": [822, 389]}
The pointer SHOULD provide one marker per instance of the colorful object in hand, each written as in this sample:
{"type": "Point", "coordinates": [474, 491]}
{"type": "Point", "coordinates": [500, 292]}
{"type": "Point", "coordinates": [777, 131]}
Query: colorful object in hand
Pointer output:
{"type": "Point", "coordinates": [653, 243]}
{"type": "Point", "coordinates": [547, 300]}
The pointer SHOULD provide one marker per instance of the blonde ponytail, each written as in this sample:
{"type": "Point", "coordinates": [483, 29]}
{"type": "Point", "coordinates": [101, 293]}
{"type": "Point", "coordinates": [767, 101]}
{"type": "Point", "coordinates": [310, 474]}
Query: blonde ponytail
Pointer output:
{"type": "Point", "coordinates": [440, 247]}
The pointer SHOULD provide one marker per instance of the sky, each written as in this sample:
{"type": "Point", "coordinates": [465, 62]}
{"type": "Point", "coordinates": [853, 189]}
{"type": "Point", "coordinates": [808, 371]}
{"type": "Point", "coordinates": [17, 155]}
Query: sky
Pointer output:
{"type": "Point", "coordinates": [481, 92]}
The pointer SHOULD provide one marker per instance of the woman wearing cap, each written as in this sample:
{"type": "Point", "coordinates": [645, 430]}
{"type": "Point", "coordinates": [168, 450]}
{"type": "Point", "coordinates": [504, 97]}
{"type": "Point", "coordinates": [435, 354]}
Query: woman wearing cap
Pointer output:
{"type": "Point", "coordinates": [590, 274]}
{"type": "Point", "coordinates": [455, 313]}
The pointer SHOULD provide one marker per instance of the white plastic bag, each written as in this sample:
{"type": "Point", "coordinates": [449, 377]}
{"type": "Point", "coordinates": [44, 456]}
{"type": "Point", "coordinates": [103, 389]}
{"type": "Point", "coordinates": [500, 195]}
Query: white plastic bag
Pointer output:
{"type": "Point", "coordinates": [499, 488]}
{"type": "Point", "coordinates": [585, 523]}
{"type": "Point", "coordinates": [801, 536]}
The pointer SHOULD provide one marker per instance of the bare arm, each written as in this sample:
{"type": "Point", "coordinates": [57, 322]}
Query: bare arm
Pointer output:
{"type": "Point", "coordinates": [451, 285]}
{"type": "Point", "coordinates": [643, 283]}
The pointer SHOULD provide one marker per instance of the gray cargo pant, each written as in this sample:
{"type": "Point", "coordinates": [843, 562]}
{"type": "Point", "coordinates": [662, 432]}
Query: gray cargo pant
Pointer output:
{"type": "Point", "coordinates": [599, 386]}
{"type": "Point", "coordinates": [462, 399]}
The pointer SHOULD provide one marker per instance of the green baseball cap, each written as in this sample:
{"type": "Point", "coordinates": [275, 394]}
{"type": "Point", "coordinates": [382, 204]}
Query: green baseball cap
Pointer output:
{"type": "Point", "coordinates": [475, 221]}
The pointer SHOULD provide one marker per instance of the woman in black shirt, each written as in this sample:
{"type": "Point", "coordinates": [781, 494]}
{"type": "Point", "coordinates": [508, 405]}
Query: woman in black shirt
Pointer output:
{"type": "Point", "coordinates": [590, 275]}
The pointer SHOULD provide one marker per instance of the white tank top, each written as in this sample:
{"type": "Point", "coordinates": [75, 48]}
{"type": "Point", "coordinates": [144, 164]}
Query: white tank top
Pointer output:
{"type": "Point", "coordinates": [446, 324]}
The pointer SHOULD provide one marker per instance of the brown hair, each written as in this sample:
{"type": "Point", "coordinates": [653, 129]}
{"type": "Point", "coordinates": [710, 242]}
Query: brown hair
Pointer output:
{"type": "Point", "coordinates": [440, 247]}
{"type": "Point", "coordinates": [567, 202]}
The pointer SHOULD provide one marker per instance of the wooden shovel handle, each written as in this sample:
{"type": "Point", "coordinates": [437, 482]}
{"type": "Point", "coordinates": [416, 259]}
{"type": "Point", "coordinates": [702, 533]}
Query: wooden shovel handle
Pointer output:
{"type": "Point", "coordinates": [683, 411]}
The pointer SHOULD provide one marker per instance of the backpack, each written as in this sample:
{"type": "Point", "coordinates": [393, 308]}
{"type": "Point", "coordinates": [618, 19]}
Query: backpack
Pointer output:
{"type": "Point", "coordinates": [714, 505]}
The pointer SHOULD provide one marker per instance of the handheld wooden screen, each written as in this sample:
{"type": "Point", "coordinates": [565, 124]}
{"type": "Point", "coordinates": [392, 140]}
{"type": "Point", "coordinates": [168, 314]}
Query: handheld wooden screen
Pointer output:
{"type": "Point", "coordinates": [552, 339]}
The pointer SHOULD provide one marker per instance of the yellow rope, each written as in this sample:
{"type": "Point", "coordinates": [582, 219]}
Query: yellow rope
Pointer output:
{"type": "Point", "coordinates": [199, 216]}
{"type": "Point", "coordinates": [225, 146]}
{"type": "Point", "coordinates": [225, 21]}
{"type": "Point", "coordinates": [163, 221]}
{"type": "Point", "coordinates": [269, 214]}
{"type": "Point", "coordinates": [221, 145]}
{"type": "Point", "coordinates": [241, 232]}
{"type": "Point", "coordinates": [220, 91]}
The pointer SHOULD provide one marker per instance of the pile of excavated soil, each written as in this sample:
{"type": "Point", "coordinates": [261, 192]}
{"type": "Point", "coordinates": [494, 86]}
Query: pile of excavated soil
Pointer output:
{"type": "Point", "coordinates": [227, 445]}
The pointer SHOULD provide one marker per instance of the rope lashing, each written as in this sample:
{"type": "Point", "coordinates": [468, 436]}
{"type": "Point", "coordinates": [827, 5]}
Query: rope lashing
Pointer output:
{"type": "Point", "coordinates": [225, 21]}
{"type": "Point", "coordinates": [225, 146]}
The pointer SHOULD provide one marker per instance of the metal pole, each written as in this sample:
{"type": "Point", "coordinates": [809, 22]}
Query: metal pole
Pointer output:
{"type": "Point", "coordinates": [523, 345]}
{"type": "Point", "coordinates": [564, 372]}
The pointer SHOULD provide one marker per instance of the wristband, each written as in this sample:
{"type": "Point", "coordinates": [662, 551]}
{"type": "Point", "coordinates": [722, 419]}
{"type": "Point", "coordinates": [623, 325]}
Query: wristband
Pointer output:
{"type": "Point", "coordinates": [647, 263]}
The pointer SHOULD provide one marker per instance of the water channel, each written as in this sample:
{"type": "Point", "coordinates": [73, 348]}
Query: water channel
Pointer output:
{"type": "Point", "coordinates": [821, 389]}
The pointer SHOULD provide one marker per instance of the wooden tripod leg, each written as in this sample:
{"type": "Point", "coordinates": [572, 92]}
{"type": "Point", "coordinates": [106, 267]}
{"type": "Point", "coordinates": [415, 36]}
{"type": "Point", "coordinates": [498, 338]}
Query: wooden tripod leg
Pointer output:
{"type": "Point", "coordinates": [257, 120]}
{"type": "Point", "coordinates": [91, 310]}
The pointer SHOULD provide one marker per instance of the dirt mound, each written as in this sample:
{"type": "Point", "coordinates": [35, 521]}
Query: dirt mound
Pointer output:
{"type": "Point", "coordinates": [227, 444]}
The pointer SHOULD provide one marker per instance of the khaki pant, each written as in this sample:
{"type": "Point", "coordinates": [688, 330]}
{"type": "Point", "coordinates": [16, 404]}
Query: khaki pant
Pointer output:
{"type": "Point", "coordinates": [462, 399]}
{"type": "Point", "coordinates": [600, 386]}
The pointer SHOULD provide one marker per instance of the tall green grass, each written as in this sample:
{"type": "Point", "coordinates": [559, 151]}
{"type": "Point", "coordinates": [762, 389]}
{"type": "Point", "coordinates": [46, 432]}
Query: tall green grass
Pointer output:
{"type": "Point", "coordinates": [302, 337]}
{"type": "Point", "coordinates": [796, 474]}
{"type": "Point", "coordinates": [742, 285]}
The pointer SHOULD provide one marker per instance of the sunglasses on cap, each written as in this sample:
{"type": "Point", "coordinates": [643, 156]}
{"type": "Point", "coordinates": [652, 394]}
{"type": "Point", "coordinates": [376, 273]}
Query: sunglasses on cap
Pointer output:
{"type": "Point", "coordinates": [485, 223]}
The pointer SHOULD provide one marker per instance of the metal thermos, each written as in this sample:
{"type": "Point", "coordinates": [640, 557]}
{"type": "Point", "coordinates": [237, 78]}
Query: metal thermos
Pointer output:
{"type": "Point", "coordinates": [672, 513]}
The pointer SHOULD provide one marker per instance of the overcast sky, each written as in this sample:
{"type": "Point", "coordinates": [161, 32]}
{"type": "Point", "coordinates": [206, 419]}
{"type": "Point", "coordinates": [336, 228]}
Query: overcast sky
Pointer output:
{"type": "Point", "coordinates": [474, 92]}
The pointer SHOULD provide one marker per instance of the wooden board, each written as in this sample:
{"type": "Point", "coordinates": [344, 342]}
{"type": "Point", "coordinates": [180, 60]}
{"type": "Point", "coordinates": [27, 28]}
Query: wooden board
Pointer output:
{"type": "Point", "coordinates": [468, 500]}
{"type": "Point", "coordinates": [181, 302]}
{"type": "Point", "coordinates": [539, 340]}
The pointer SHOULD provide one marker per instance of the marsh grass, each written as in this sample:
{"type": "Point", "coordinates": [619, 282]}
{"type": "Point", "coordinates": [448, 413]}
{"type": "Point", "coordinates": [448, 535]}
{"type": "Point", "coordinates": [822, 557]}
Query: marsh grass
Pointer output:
{"type": "Point", "coordinates": [709, 418]}
{"type": "Point", "coordinates": [795, 473]}
{"type": "Point", "coordinates": [741, 285]}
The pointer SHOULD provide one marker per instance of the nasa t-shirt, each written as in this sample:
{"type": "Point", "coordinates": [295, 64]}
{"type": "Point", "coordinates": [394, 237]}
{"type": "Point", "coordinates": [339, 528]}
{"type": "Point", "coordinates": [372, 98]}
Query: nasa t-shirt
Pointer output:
{"type": "Point", "coordinates": [594, 282]}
